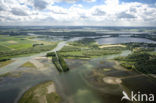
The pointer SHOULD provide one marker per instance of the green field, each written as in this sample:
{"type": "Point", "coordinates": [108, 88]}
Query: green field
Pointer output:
{"type": "Point", "coordinates": [40, 93]}
{"type": "Point", "coordinates": [15, 42]}
{"type": "Point", "coordinates": [4, 63]}
{"type": "Point", "coordinates": [88, 48]}
{"type": "Point", "coordinates": [13, 46]}
{"type": "Point", "coordinates": [4, 48]}
{"type": "Point", "coordinates": [28, 65]}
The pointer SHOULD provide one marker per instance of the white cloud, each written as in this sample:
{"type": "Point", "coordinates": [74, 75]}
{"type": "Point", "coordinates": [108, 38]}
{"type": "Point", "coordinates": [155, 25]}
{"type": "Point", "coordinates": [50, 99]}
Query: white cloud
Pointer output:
{"type": "Point", "coordinates": [98, 12]}
{"type": "Point", "coordinates": [89, 0]}
{"type": "Point", "coordinates": [125, 15]}
{"type": "Point", "coordinates": [68, 1]}
{"type": "Point", "coordinates": [112, 2]}
{"type": "Point", "coordinates": [45, 12]}
{"type": "Point", "coordinates": [18, 12]}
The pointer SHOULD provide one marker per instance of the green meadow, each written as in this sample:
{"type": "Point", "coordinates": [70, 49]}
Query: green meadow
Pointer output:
{"type": "Point", "coordinates": [14, 46]}
{"type": "Point", "coordinates": [88, 48]}
{"type": "Point", "coordinates": [14, 42]}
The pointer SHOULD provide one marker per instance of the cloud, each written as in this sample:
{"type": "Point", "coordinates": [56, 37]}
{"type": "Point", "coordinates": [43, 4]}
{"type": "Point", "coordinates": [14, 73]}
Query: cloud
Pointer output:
{"type": "Point", "coordinates": [1, 8]}
{"type": "Point", "coordinates": [112, 3]}
{"type": "Point", "coordinates": [56, 12]}
{"type": "Point", "coordinates": [68, 1]}
{"type": "Point", "coordinates": [2, 18]}
{"type": "Point", "coordinates": [132, 9]}
{"type": "Point", "coordinates": [125, 15]}
{"type": "Point", "coordinates": [40, 4]}
{"type": "Point", "coordinates": [83, 17]}
{"type": "Point", "coordinates": [99, 12]}
{"type": "Point", "coordinates": [18, 12]}
{"type": "Point", "coordinates": [89, 0]}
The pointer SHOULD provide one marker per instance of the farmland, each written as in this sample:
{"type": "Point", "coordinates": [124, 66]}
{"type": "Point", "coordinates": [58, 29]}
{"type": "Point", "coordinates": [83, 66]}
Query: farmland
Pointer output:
{"type": "Point", "coordinates": [14, 46]}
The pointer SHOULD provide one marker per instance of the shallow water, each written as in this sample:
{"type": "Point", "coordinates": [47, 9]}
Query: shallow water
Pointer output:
{"type": "Point", "coordinates": [21, 60]}
{"type": "Point", "coordinates": [73, 88]}
{"type": "Point", "coordinates": [70, 85]}
{"type": "Point", "coordinates": [117, 40]}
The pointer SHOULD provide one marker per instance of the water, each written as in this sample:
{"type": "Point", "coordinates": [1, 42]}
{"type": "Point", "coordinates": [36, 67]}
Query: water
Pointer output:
{"type": "Point", "coordinates": [123, 53]}
{"type": "Point", "coordinates": [73, 88]}
{"type": "Point", "coordinates": [70, 85]}
{"type": "Point", "coordinates": [118, 40]}
{"type": "Point", "coordinates": [21, 60]}
{"type": "Point", "coordinates": [11, 88]}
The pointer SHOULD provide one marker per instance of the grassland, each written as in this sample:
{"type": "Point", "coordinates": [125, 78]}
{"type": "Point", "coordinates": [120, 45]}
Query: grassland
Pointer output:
{"type": "Point", "coordinates": [42, 93]}
{"type": "Point", "coordinates": [4, 63]}
{"type": "Point", "coordinates": [13, 46]}
{"type": "Point", "coordinates": [88, 48]}
{"type": "Point", "coordinates": [5, 75]}
{"type": "Point", "coordinates": [28, 65]}
{"type": "Point", "coordinates": [9, 74]}
{"type": "Point", "coordinates": [14, 42]}
{"type": "Point", "coordinates": [153, 53]}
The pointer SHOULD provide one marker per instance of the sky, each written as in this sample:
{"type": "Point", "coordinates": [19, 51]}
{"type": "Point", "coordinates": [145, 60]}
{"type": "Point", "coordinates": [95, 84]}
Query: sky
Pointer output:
{"type": "Point", "coordinates": [77, 12]}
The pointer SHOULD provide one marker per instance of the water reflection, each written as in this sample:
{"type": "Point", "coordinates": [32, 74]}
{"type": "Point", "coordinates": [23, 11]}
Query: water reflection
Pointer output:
{"type": "Point", "coordinates": [117, 40]}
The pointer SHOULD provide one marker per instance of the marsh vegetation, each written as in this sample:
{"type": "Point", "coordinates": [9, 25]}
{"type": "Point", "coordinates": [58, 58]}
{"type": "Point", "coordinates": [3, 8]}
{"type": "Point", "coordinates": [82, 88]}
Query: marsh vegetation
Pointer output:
{"type": "Point", "coordinates": [101, 63]}
{"type": "Point", "coordinates": [15, 46]}
{"type": "Point", "coordinates": [88, 48]}
{"type": "Point", "coordinates": [41, 93]}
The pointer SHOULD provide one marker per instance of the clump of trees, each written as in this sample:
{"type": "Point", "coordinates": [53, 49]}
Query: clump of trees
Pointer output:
{"type": "Point", "coordinates": [34, 45]}
{"type": "Point", "coordinates": [143, 46]}
{"type": "Point", "coordinates": [4, 59]}
{"type": "Point", "coordinates": [58, 61]}
{"type": "Point", "coordinates": [140, 61]}
{"type": "Point", "coordinates": [51, 54]}
{"type": "Point", "coordinates": [63, 63]}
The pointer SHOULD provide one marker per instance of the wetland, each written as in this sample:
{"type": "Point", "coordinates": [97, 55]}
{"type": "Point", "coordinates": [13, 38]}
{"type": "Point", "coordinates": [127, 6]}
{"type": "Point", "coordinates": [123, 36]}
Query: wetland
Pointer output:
{"type": "Point", "coordinates": [100, 65]}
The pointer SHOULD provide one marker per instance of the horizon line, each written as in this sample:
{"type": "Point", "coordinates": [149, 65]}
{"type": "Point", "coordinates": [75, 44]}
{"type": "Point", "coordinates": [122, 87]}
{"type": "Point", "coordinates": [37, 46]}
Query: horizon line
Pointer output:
{"type": "Point", "coordinates": [67, 26]}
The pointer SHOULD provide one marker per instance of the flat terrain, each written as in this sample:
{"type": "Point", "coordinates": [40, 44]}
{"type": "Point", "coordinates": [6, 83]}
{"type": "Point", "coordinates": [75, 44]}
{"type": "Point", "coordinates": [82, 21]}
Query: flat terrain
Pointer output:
{"type": "Point", "coordinates": [97, 72]}
{"type": "Point", "coordinates": [15, 46]}
{"type": "Point", "coordinates": [88, 48]}
{"type": "Point", "coordinates": [42, 93]}
{"type": "Point", "coordinates": [15, 42]}
{"type": "Point", "coordinates": [2, 64]}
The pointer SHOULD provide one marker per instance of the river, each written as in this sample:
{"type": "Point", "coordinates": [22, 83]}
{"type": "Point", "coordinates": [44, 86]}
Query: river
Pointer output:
{"type": "Point", "coordinates": [71, 86]}
{"type": "Point", "coordinates": [117, 40]}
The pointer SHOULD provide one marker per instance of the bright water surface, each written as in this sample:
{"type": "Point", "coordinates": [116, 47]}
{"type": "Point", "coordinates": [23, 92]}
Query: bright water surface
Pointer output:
{"type": "Point", "coordinates": [71, 85]}
{"type": "Point", "coordinates": [117, 40]}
